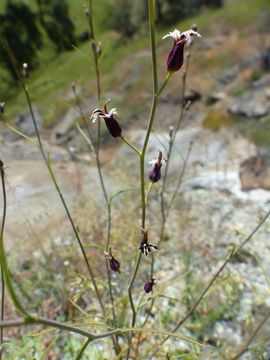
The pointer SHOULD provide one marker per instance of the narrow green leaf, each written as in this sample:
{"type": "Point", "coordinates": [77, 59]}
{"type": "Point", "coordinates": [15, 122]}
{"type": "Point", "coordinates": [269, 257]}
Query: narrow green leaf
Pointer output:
{"type": "Point", "coordinates": [23, 135]}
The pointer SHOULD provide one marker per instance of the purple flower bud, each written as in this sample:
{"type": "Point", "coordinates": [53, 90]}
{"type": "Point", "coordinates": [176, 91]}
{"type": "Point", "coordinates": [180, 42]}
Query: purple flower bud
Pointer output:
{"type": "Point", "coordinates": [176, 56]}
{"type": "Point", "coordinates": [115, 129]}
{"type": "Point", "coordinates": [2, 108]}
{"type": "Point", "coordinates": [155, 173]}
{"type": "Point", "coordinates": [148, 286]}
{"type": "Point", "coordinates": [114, 264]}
{"type": "Point", "coordinates": [113, 126]}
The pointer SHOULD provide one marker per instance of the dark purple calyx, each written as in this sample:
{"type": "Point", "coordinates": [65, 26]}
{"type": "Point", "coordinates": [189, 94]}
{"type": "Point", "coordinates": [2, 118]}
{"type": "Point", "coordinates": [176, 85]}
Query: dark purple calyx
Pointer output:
{"type": "Point", "coordinates": [155, 173]}
{"type": "Point", "coordinates": [113, 126]}
{"type": "Point", "coordinates": [114, 264]}
{"type": "Point", "coordinates": [176, 56]}
{"type": "Point", "coordinates": [148, 286]}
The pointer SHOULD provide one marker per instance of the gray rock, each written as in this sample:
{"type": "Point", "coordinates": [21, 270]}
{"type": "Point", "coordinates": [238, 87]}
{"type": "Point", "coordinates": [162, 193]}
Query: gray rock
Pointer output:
{"type": "Point", "coordinates": [64, 131]}
{"type": "Point", "coordinates": [263, 81]}
{"type": "Point", "coordinates": [208, 43]}
{"type": "Point", "coordinates": [247, 109]}
{"type": "Point", "coordinates": [24, 123]}
{"type": "Point", "coordinates": [215, 97]}
{"type": "Point", "coordinates": [255, 173]}
{"type": "Point", "coordinates": [229, 75]}
{"type": "Point", "coordinates": [252, 104]}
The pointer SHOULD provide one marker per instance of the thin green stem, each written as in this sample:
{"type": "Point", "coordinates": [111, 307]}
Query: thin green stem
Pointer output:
{"type": "Point", "coordinates": [2, 271]}
{"type": "Point", "coordinates": [169, 75]}
{"type": "Point", "coordinates": [57, 325]}
{"type": "Point", "coordinates": [47, 162]}
{"type": "Point", "coordinates": [143, 203]}
{"type": "Point", "coordinates": [94, 48]}
{"type": "Point", "coordinates": [89, 139]}
{"type": "Point", "coordinates": [2, 308]}
{"type": "Point", "coordinates": [89, 268]}
{"type": "Point", "coordinates": [143, 325]}
{"type": "Point", "coordinates": [180, 180]}
{"type": "Point", "coordinates": [156, 94]}
{"type": "Point", "coordinates": [83, 348]}
{"type": "Point", "coordinates": [252, 337]}
{"type": "Point", "coordinates": [107, 247]}
{"type": "Point", "coordinates": [134, 312]}
{"type": "Point", "coordinates": [107, 244]}
{"type": "Point", "coordinates": [98, 84]}
{"type": "Point", "coordinates": [4, 265]}
{"type": "Point", "coordinates": [76, 330]}
{"type": "Point", "coordinates": [150, 125]}
{"type": "Point", "coordinates": [164, 211]}
{"type": "Point", "coordinates": [162, 200]}
{"type": "Point", "coordinates": [179, 122]}
{"type": "Point", "coordinates": [152, 15]}
{"type": "Point", "coordinates": [97, 152]}
{"type": "Point", "coordinates": [130, 145]}
{"type": "Point", "coordinates": [171, 144]}
{"type": "Point", "coordinates": [131, 285]}
{"type": "Point", "coordinates": [148, 191]}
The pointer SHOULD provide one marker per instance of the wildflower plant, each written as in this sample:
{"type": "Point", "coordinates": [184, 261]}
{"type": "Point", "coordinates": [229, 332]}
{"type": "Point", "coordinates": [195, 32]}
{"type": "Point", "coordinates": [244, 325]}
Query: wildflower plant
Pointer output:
{"type": "Point", "coordinates": [176, 56]}
{"type": "Point", "coordinates": [132, 290]}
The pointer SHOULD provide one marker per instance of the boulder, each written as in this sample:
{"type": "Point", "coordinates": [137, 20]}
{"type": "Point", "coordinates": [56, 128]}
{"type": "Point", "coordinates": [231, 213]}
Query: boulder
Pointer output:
{"type": "Point", "coordinates": [255, 173]}
{"type": "Point", "coordinates": [24, 122]}
{"type": "Point", "coordinates": [64, 131]}
{"type": "Point", "coordinates": [252, 104]}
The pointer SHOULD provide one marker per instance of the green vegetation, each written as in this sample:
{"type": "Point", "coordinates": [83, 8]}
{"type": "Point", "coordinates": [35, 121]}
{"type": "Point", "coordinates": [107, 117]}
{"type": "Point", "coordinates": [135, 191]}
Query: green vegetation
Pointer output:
{"type": "Point", "coordinates": [217, 119]}
{"type": "Point", "coordinates": [50, 84]}
{"type": "Point", "coordinates": [260, 132]}
{"type": "Point", "coordinates": [18, 26]}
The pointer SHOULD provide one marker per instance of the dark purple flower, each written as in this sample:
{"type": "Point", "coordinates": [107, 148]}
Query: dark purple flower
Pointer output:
{"type": "Point", "coordinates": [115, 129]}
{"type": "Point", "coordinates": [148, 286]}
{"type": "Point", "coordinates": [145, 246]}
{"type": "Point", "coordinates": [155, 173]}
{"type": "Point", "coordinates": [176, 56]}
{"type": "Point", "coordinates": [2, 108]}
{"type": "Point", "coordinates": [114, 264]}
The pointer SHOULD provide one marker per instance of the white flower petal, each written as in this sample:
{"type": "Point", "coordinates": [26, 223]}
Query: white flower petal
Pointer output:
{"type": "Point", "coordinates": [189, 34]}
{"type": "Point", "coordinates": [174, 34]}
{"type": "Point", "coordinates": [94, 115]}
{"type": "Point", "coordinates": [152, 162]}
{"type": "Point", "coordinates": [163, 161]}
{"type": "Point", "coordinates": [112, 112]}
